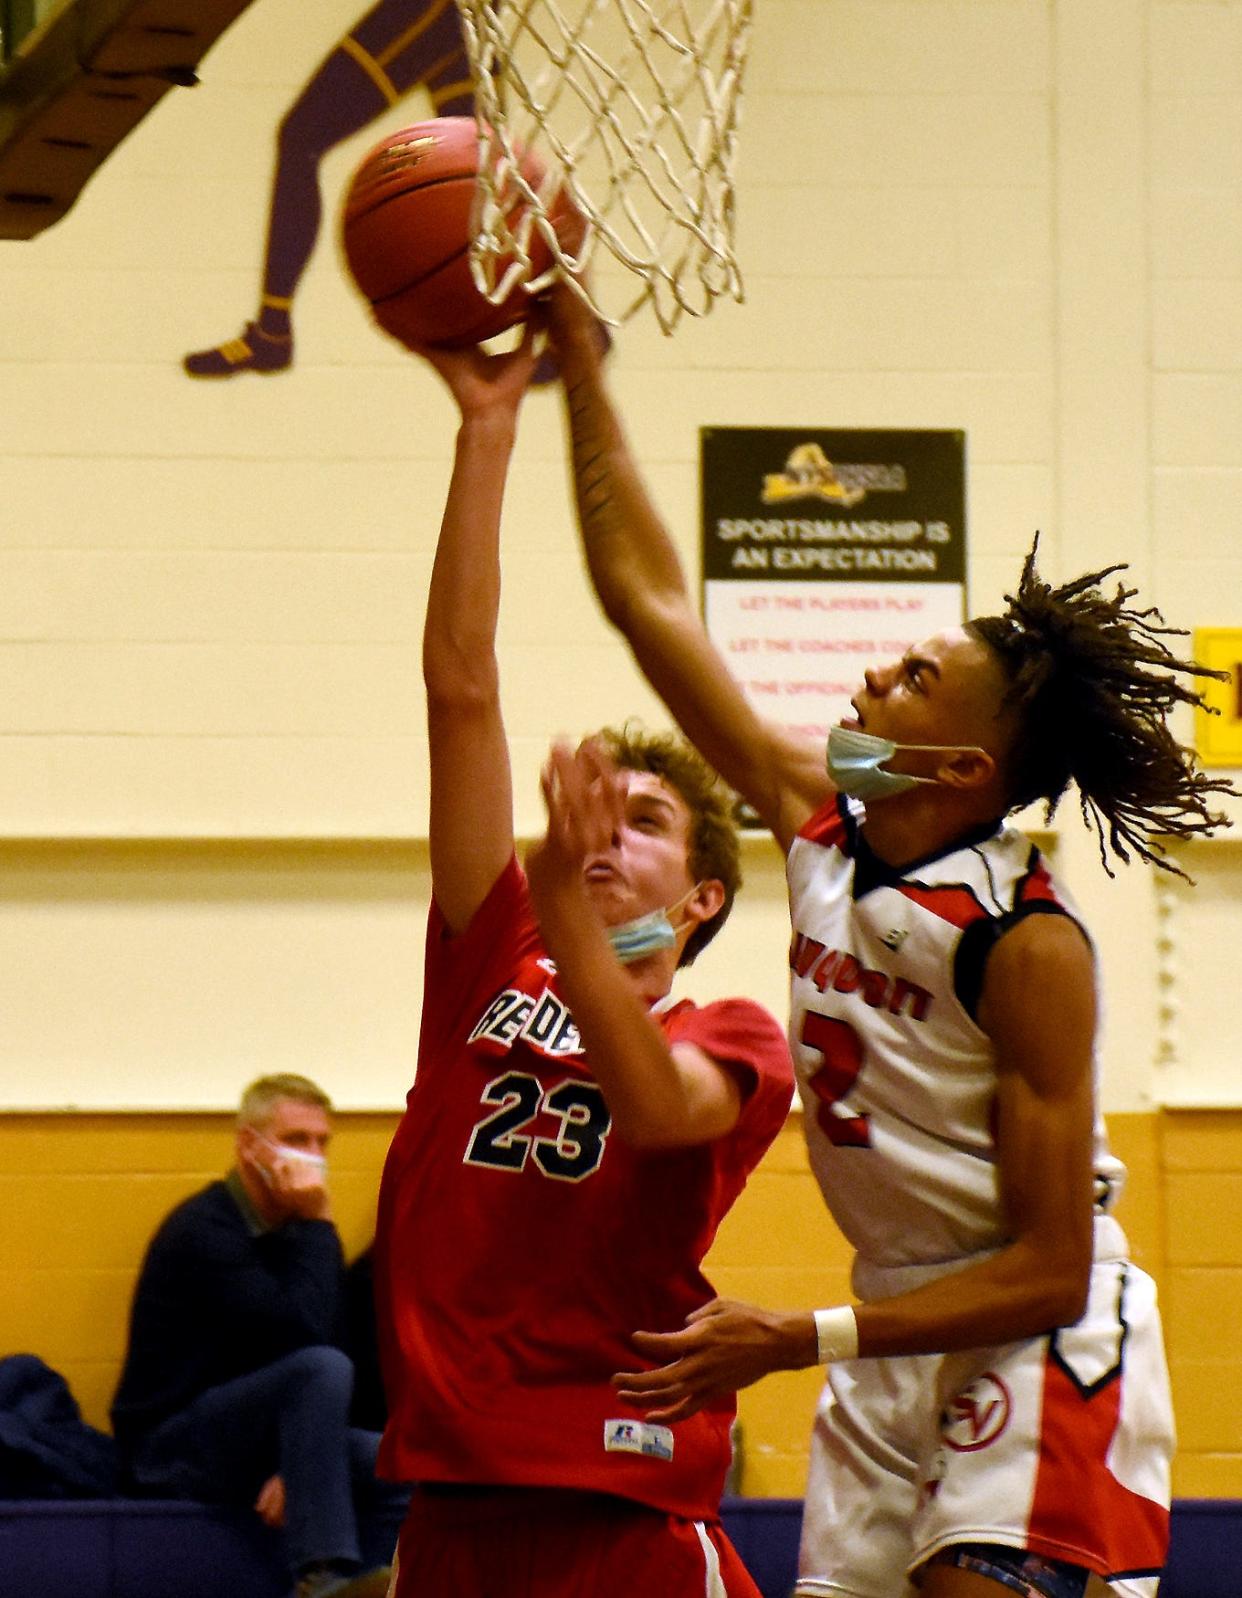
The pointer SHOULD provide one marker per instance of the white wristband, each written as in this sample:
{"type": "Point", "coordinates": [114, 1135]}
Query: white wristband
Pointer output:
{"type": "Point", "coordinates": [836, 1334]}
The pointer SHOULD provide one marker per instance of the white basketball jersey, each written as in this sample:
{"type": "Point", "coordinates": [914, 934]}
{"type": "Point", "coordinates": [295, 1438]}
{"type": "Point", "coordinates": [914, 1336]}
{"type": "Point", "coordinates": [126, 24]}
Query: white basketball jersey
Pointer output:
{"type": "Point", "coordinates": [898, 1082]}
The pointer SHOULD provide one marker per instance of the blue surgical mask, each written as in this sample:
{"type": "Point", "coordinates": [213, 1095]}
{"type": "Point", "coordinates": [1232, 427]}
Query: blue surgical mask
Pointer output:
{"type": "Point", "coordinates": [855, 759]}
{"type": "Point", "coordinates": [646, 934]}
{"type": "Point", "coordinates": [634, 940]}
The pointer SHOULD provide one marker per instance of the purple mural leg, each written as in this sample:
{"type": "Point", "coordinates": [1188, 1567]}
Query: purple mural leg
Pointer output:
{"type": "Point", "coordinates": [396, 47]}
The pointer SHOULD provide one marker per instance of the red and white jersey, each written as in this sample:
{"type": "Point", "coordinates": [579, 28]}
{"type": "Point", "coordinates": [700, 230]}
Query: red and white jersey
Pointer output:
{"type": "Point", "coordinates": [521, 1242]}
{"type": "Point", "coordinates": [897, 1079]}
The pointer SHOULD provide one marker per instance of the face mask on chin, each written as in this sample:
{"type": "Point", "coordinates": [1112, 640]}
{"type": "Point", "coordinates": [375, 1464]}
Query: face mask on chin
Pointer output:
{"type": "Point", "coordinates": [855, 760]}
{"type": "Point", "coordinates": [647, 934]}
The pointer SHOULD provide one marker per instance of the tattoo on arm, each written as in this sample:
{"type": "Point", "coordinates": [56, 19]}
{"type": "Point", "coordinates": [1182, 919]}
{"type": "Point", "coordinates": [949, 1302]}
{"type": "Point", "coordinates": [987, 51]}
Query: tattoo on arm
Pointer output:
{"type": "Point", "coordinates": [591, 470]}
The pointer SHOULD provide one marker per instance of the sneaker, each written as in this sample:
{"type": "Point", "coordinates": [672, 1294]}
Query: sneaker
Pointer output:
{"type": "Point", "coordinates": [324, 1582]}
{"type": "Point", "coordinates": [254, 351]}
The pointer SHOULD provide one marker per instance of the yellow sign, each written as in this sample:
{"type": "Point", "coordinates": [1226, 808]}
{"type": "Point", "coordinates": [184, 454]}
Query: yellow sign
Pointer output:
{"type": "Point", "coordinates": [1218, 739]}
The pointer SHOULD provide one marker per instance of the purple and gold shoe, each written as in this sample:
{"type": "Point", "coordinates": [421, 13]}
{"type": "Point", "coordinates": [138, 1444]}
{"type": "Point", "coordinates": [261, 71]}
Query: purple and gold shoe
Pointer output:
{"type": "Point", "coordinates": [254, 351]}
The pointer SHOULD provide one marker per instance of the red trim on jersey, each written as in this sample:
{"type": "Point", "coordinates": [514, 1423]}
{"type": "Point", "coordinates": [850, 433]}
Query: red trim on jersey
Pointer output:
{"type": "Point", "coordinates": [952, 902]}
{"type": "Point", "coordinates": [1038, 885]}
{"type": "Point", "coordinates": [828, 826]}
{"type": "Point", "coordinates": [1080, 1512]}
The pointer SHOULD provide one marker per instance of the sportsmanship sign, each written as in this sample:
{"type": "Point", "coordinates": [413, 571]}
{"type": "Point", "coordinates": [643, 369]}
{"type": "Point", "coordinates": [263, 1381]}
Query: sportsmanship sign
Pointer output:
{"type": "Point", "coordinates": [825, 552]}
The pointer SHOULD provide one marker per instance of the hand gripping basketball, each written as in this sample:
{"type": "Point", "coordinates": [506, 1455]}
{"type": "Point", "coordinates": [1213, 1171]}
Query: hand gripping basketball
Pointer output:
{"type": "Point", "coordinates": [408, 228]}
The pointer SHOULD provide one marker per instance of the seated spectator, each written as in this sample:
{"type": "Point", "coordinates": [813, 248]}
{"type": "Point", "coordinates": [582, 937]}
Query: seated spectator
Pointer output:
{"type": "Point", "coordinates": [234, 1387]}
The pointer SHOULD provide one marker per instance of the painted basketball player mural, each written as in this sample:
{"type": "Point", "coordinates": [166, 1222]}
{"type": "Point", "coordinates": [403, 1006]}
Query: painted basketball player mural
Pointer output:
{"type": "Point", "coordinates": [394, 48]}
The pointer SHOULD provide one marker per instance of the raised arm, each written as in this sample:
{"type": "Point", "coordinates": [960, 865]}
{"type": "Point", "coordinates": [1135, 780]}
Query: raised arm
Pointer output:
{"type": "Point", "coordinates": [471, 827]}
{"type": "Point", "coordinates": [642, 588]}
{"type": "Point", "coordinates": [658, 1095]}
{"type": "Point", "coordinates": [1035, 1283]}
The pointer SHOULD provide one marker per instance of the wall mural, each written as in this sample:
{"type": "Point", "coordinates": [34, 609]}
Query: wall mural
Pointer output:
{"type": "Point", "coordinates": [395, 48]}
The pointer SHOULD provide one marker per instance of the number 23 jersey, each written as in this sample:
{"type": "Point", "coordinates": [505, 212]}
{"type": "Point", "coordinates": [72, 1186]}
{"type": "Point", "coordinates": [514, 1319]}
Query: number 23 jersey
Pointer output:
{"type": "Point", "coordinates": [898, 1081]}
{"type": "Point", "coordinates": [521, 1242]}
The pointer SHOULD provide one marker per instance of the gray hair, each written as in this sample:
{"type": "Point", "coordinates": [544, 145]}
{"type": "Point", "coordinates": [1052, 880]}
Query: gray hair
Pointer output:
{"type": "Point", "coordinates": [263, 1095]}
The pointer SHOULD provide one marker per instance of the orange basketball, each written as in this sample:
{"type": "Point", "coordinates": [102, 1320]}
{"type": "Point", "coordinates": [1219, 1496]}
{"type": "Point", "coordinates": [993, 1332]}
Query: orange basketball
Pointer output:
{"type": "Point", "coordinates": [407, 235]}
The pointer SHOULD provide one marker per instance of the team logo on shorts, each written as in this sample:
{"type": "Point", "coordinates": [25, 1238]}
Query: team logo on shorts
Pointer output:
{"type": "Point", "coordinates": [978, 1415]}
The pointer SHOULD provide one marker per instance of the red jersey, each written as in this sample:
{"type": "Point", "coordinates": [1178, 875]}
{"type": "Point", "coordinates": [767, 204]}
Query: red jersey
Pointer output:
{"type": "Point", "coordinates": [521, 1242]}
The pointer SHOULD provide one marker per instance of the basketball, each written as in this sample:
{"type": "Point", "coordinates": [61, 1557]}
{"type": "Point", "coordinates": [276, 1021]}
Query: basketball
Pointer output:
{"type": "Point", "coordinates": [407, 236]}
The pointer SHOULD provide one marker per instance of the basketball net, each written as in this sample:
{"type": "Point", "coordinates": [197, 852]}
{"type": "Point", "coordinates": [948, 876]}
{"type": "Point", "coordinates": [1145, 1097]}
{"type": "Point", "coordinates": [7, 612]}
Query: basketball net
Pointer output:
{"type": "Point", "coordinates": [632, 107]}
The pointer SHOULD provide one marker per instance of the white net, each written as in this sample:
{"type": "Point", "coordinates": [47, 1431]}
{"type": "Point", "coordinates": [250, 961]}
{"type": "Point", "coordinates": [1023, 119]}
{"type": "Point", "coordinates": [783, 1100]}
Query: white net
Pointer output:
{"type": "Point", "coordinates": [632, 108]}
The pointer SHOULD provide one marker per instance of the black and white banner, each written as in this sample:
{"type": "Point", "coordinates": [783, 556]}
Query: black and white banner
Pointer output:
{"type": "Point", "coordinates": [825, 552]}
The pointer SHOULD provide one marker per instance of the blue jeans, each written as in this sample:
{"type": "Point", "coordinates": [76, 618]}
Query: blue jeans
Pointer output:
{"type": "Point", "coordinates": [291, 1418]}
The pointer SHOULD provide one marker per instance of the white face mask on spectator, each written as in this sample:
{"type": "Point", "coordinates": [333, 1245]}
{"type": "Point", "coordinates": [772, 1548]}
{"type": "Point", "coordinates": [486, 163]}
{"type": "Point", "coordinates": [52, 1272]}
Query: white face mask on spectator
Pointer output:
{"type": "Point", "coordinates": [317, 1162]}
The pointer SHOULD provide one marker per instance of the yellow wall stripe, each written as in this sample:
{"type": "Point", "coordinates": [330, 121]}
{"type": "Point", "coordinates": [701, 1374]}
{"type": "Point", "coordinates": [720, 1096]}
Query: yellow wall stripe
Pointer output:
{"type": "Point", "coordinates": [81, 1195]}
{"type": "Point", "coordinates": [403, 41]}
{"type": "Point", "coordinates": [371, 67]}
{"type": "Point", "coordinates": [451, 91]}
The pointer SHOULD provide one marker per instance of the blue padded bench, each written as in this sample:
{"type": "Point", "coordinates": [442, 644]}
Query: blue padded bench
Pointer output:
{"type": "Point", "coordinates": [138, 1548]}
{"type": "Point", "coordinates": [148, 1548]}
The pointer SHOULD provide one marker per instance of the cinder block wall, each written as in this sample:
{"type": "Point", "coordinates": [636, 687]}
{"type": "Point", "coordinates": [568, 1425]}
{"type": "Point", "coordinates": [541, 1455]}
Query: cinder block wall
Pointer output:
{"type": "Point", "coordinates": [81, 1195]}
{"type": "Point", "coordinates": [1015, 218]}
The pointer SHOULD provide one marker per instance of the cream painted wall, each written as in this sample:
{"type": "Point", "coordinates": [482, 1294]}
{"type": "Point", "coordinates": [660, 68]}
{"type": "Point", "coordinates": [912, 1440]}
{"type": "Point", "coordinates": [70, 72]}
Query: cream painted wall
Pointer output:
{"type": "Point", "coordinates": [165, 975]}
{"type": "Point", "coordinates": [1021, 219]}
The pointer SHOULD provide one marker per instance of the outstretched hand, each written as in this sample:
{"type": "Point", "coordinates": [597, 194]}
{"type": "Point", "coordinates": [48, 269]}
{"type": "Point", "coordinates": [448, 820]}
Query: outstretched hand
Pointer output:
{"type": "Point", "coordinates": [481, 382]}
{"type": "Point", "coordinates": [723, 1346]}
{"type": "Point", "coordinates": [586, 805]}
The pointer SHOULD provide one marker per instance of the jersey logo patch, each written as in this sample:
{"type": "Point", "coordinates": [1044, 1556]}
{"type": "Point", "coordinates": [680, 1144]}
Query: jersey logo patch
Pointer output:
{"type": "Point", "coordinates": [638, 1437]}
{"type": "Point", "coordinates": [978, 1415]}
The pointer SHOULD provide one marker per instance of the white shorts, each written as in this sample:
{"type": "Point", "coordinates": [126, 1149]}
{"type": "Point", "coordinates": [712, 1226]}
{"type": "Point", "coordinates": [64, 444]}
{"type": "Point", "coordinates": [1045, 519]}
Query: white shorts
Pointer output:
{"type": "Point", "coordinates": [1061, 1445]}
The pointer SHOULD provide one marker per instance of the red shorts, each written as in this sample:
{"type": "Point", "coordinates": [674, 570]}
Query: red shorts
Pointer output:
{"type": "Point", "coordinates": [542, 1542]}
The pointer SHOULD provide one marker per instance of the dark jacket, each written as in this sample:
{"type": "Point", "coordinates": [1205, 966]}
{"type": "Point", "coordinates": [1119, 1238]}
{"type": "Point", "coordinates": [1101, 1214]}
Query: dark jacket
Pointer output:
{"type": "Point", "coordinates": [218, 1297]}
{"type": "Point", "coordinates": [46, 1449]}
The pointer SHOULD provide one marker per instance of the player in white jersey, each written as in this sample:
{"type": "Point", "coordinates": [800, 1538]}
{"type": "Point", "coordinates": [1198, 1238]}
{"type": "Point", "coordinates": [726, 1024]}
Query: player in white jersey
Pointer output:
{"type": "Point", "coordinates": [996, 1417]}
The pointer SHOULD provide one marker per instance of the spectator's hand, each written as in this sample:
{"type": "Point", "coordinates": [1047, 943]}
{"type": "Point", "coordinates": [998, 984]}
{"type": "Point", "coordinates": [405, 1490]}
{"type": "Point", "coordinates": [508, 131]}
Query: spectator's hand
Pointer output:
{"type": "Point", "coordinates": [300, 1187]}
{"type": "Point", "coordinates": [270, 1504]}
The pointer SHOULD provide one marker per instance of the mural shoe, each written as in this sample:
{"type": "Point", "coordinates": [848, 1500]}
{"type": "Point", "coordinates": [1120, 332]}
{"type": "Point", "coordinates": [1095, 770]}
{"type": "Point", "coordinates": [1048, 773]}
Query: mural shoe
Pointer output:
{"type": "Point", "coordinates": [254, 351]}
{"type": "Point", "coordinates": [325, 1582]}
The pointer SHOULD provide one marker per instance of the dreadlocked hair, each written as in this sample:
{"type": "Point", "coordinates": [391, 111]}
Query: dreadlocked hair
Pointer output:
{"type": "Point", "coordinates": [1092, 682]}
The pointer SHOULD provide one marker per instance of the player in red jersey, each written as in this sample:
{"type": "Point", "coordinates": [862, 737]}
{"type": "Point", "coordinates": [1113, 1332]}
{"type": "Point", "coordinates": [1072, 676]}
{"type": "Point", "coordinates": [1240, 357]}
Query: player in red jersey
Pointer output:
{"type": "Point", "coordinates": [573, 1136]}
{"type": "Point", "coordinates": [996, 1415]}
